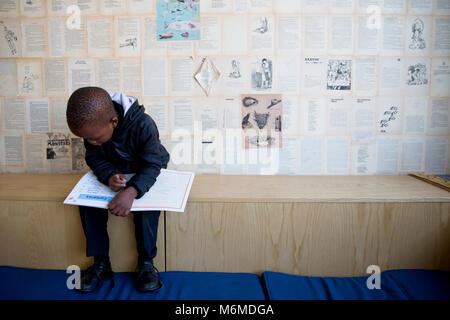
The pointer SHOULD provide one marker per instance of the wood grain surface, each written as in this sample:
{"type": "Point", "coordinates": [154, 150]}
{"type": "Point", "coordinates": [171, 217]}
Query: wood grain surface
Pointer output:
{"type": "Point", "coordinates": [48, 234]}
{"type": "Point", "coordinates": [315, 239]}
{"type": "Point", "coordinates": [243, 188]}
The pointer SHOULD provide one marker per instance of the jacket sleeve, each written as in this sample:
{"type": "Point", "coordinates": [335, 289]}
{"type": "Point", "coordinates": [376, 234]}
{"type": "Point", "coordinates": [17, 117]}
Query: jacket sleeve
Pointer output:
{"type": "Point", "coordinates": [102, 168]}
{"type": "Point", "coordinates": [149, 159]}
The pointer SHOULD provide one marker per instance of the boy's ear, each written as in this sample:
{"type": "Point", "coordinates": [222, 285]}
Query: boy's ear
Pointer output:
{"type": "Point", "coordinates": [114, 121]}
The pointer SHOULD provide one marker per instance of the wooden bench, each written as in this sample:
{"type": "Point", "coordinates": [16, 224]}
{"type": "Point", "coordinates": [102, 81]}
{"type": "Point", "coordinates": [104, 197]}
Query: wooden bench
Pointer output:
{"type": "Point", "coordinates": [309, 225]}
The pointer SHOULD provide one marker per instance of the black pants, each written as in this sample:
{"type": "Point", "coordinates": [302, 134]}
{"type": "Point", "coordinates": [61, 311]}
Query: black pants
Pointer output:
{"type": "Point", "coordinates": [94, 221]}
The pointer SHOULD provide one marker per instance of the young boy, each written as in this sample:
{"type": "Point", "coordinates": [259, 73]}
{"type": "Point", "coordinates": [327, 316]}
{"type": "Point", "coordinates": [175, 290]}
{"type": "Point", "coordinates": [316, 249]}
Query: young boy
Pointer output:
{"type": "Point", "coordinates": [119, 138]}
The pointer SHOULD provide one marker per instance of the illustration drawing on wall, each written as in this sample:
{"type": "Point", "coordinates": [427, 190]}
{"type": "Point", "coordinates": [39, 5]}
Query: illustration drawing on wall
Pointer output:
{"type": "Point", "coordinates": [28, 81]}
{"type": "Point", "coordinates": [129, 42]}
{"type": "Point", "coordinates": [339, 76]}
{"type": "Point", "coordinates": [417, 40]}
{"type": "Point", "coordinates": [388, 116]}
{"type": "Point", "coordinates": [58, 145]}
{"type": "Point", "coordinates": [78, 153]}
{"type": "Point", "coordinates": [417, 75]}
{"type": "Point", "coordinates": [261, 120]}
{"type": "Point", "coordinates": [178, 20]}
{"type": "Point", "coordinates": [235, 72]}
{"type": "Point", "coordinates": [10, 38]}
{"type": "Point", "coordinates": [264, 26]}
{"type": "Point", "coordinates": [262, 74]}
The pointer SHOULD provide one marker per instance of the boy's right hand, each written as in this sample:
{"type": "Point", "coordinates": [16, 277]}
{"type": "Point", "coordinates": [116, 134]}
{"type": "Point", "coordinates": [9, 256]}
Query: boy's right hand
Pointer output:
{"type": "Point", "coordinates": [117, 182]}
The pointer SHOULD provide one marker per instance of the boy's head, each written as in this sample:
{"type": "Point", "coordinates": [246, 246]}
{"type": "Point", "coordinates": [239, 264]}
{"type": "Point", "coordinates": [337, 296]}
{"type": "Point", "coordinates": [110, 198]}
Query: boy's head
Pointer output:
{"type": "Point", "coordinates": [91, 115]}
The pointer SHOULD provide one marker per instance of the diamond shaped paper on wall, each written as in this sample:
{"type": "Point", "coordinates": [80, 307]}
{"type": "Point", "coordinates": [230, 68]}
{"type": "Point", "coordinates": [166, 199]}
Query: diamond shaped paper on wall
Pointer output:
{"type": "Point", "coordinates": [207, 75]}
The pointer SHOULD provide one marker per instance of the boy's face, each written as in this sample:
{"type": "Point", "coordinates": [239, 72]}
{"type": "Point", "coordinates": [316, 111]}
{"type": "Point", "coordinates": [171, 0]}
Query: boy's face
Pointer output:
{"type": "Point", "coordinates": [97, 134]}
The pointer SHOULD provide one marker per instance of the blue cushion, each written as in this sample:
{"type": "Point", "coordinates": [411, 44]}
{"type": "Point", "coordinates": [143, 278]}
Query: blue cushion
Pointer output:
{"type": "Point", "coordinates": [37, 284]}
{"type": "Point", "coordinates": [395, 285]}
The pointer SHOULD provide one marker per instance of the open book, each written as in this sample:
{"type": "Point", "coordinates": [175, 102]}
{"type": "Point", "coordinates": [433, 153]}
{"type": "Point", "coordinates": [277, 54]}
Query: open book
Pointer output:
{"type": "Point", "coordinates": [170, 192]}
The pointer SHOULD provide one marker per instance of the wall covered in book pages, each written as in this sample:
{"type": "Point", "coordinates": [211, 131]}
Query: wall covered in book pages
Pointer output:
{"type": "Point", "coordinates": [311, 87]}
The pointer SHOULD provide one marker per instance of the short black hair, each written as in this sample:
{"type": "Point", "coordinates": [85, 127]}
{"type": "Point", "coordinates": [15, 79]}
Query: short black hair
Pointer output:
{"type": "Point", "coordinates": [89, 105]}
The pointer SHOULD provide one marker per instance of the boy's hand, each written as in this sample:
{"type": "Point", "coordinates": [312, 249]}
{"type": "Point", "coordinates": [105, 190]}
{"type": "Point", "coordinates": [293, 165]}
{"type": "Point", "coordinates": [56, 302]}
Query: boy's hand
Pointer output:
{"type": "Point", "coordinates": [117, 182]}
{"type": "Point", "coordinates": [121, 204]}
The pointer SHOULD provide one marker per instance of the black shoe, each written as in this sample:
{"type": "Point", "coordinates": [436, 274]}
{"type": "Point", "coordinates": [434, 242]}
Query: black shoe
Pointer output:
{"type": "Point", "coordinates": [94, 276]}
{"type": "Point", "coordinates": [147, 277]}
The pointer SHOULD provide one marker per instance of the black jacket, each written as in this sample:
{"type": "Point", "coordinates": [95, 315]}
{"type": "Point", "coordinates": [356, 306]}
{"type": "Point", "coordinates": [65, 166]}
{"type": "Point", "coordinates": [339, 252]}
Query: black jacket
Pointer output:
{"type": "Point", "coordinates": [133, 148]}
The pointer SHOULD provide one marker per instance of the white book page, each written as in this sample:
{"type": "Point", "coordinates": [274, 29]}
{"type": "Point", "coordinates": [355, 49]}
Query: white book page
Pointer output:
{"type": "Point", "coordinates": [38, 117]}
{"type": "Point", "coordinates": [289, 154]}
{"type": "Point", "coordinates": [100, 38]}
{"type": "Point", "coordinates": [436, 154]}
{"type": "Point", "coordinates": [234, 35]}
{"type": "Point", "coordinates": [155, 82]}
{"type": "Point", "coordinates": [81, 73]}
{"type": "Point", "coordinates": [29, 77]}
{"type": "Point", "coordinates": [440, 77]}
{"type": "Point", "coordinates": [388, 155]}
{"type": "Point", "coordinates": [311, 156]}
{"type": "Point", "coordinates": [158, 109]}
{"type": "Point", "coordinates": [416, 115]}
{"type": "Point", "coordinates": [34, 39]}
{"type": "Point", "coordinates": [338, 152]}
{"type": "Point", "coordinates": [170, 192]}
{"type": "Point", "coordinates": [128, 37]}
{"type": "Point", "coordinates": [108, 74]}
{"type": "Point", "coordinates": [439, 117]}
{"type": "Point", "coordinates": [441, 37]}
{"type": "Point", "coordinates": [313, 116]}
{"type": "Point", "coordinates": [363, 120]}
{"type": "Point", "coordinates": [289, 34]}
{"type": "Point", "coordinates": [412, 158]}
{"type": "Point", "coordinates": [314, 35]}
{"type": "Point", "coordinates": [55, 77]}
{"type": "Point", "coordinates": [363, 159]}
{"type": "Point", "coordinates": [314, 75]}
{"type": "Point", "coordinates": [8, 77]}
{"type": "Point", "coordinates": [341, 35]}
{"type": "Point", "coordinates": [338, 116]}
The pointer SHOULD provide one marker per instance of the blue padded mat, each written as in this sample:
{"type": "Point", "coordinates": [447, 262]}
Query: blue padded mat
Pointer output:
{"type": "Point", "coordinates": [395, 285]}
{"type": "Point", "coordinates": [38, 284]}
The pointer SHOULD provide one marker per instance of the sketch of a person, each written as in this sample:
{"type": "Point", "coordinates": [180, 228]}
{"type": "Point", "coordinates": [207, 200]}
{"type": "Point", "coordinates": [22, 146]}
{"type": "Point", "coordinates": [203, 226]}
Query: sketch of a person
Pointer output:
{"type": "Point", "coordinates": [417, 40]}
{"type": "Point", "coordinates": [264, 26]}
{"type": "Point", "coordinates": [51, 154]}
{"type": "Point", "coordinates": [235, 72]}
{"type": "Point", "coordinates": [417, 30]}
{"type": "Point", "coordinates": [28, 82]}
{"type": "Point", "coordinates": [417, 74]}
{"type": "Point", "coordinates": [266, 74]}
{"type": "Point", "coordinates": [11, 38]}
